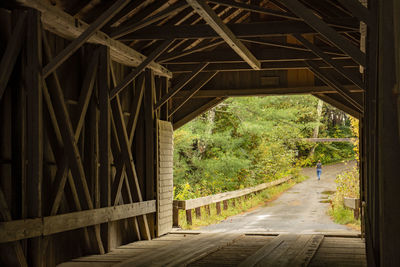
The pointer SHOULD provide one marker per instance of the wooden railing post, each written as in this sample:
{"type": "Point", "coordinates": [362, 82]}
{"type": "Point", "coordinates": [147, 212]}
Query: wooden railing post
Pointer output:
{"type": "Point", "coordinates": [175, 215]}
{"type": "Point", "coordinates": [208, 210]}
{"type": "Point", "coordinates": [218, 207]}
{"type": "Point", "coordinates": [198, 212]}
{"type": "Point", "coordinates": [233, 203]}
{"type": "Point", "coordinates": [189, 217]}
{"type": "Point", "coordinates": [225, 204]}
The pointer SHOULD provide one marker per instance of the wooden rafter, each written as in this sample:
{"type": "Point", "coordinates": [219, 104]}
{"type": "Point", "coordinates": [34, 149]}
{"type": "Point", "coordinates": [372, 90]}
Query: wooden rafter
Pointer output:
{"type": "Point", "coordinates": [217, 24]}
{"type": "Point", "coordinates": [331, 81]}
{"type": "Point", "coordinates": [131, 27]}
{"type": "Point", "coordinates": [188, 95]}
{"type": "Point", "coordinates": [62, 24]}
{"type": "Point", "coordinates": [357, 9]}
{"type": "Point", "coordinates": [185, 80]}
{"type": "Point", "coordinates": [317, 51]}
{"type": "Point", "coordinates": [200, 110]}
{"type": "Point", "coordinates": [324, 29]}
{"type": "Point", "coordinates": [78, 42]}
{"type": "Point", "coordinates": [240, 30]}
{"type": "Point", "coordinates": [131, 76]}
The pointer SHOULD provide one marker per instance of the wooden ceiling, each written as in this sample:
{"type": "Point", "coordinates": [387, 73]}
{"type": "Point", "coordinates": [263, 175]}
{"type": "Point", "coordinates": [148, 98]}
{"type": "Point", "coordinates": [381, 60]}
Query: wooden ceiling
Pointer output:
{"type": "Point", "coordinates": [198, 36]}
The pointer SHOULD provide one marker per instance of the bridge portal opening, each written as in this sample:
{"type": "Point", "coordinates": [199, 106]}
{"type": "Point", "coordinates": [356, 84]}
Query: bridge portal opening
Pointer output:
{"type": "Point", "coordinates": [249, 164]}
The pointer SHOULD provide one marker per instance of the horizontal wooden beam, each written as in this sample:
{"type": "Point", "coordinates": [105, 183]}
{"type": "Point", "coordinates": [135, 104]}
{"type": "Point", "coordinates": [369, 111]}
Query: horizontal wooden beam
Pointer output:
{"type": "Point", "coordinates": [324, 29]}
{"type": "Point", "coordinates": [66, 26]}
{"type": "Point", "coordinates": [236, 92]}
{"type": "Point", "coordinates": [22, 229]}
{"type": "Point", "coordinates": [274, 65]}
{"type": "Point", "coordinates": [263, 55]}
{"type": "Point", "coordinates": [215, 22]}
{"type": "Point", "coordinates": [240, 30]}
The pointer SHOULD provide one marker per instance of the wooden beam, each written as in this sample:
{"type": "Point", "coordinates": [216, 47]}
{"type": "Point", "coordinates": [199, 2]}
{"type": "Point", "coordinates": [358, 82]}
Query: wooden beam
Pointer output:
{"type": "Point", "coordinates": [127, 156]}
{"type": "Point", "coordinates": [131, 27]}
{"type": "Point", "coordinates": [255, 8]}
{"type": "Point", "coordinates": [185, 80]}
{"type": "Point", "coordinates": [78, 42]}
{"type": "Point", "coordinates": [35, 129]}
{"type": "Point", "coordinates": [188, 95]}
{"type": "Point", "coordinates": [239, 92]}
{"type": "Point", "coordinates": [240, 30]}
{"type": "Point", "coordinates": [331, 81]}
{"type": "Point", "coordinates": [274, 65]}
{"type": "Point", "coordinates": [188, 117]}
{"type": "Point", "coordinates": [64, 25]}
{"type": "Point", "coordinates": [317, 51]}
{"type": "Point", "coordinates": [6, 216]}
{"type": "Point", "coordinates": [357, 9]}
{"type": "Point", "coordinates": [30, 228]}
{"type": "Point", "coordinates": [11, 52]}
{"type": "Point", "coordinates": [219, 26]}
{"type": "Point", "coordinates": [178, 54]}
{"type": "Point", "coordinates": [324, 29]}
{"type": "Point", "coordinates": [263, 54]}
{"type": "Point", "coordinates": [131, 76]}
{"type": "Point", "coordinates": [339, 104]}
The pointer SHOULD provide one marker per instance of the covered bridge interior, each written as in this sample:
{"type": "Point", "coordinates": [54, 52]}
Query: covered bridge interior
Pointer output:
{"type": "Point", "coordinates": [91, 90]}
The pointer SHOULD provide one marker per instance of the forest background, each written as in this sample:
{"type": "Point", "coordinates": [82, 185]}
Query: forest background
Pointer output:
{"type": "Point", "coordinates": [251, 140]}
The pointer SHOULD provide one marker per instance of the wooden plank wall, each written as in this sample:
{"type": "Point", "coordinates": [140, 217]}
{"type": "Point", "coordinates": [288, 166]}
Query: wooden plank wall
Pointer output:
{"type": "Point", "coordinates": [71, 154]}
{"type": "Point", "coordinates": [165, 177]}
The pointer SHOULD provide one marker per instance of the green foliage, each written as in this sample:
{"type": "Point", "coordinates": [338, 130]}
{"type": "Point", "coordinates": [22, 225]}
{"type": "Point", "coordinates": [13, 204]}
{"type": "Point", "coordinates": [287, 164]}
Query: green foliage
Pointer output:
{"type": "Point", "coordinates": [247, 141]}
{"type": "Point", "coordinates": [343, 215]}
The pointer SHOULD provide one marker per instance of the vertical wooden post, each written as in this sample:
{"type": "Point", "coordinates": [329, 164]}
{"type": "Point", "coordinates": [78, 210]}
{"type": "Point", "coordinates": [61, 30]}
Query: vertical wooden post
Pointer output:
{"type": "Point", "coordinates": [225, 204]}
{"type": "Point", "coordinates": [198, 213]}
{"type": "Point", "coordinates": [150, 136]}
{"type": "Point", "coordinates": [175, 214]}
{"type": "Point", "coordinates": [104, 136]}
{"type": "Point", "coordinates": [189, 217]}
{"type": "Point", "coordinates": [35, 130]}
{"type": "Point", "coordinates": [218, 207]}
{"type": "Point", "coordinates": [208, 210]}
{"type": "Point", "coordinates": [233, 203]}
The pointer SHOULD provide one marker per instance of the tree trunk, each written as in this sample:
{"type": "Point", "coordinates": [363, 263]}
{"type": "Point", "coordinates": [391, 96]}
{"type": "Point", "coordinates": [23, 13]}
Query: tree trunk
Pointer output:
{"type": "Point", "coordinates": [316, 129]}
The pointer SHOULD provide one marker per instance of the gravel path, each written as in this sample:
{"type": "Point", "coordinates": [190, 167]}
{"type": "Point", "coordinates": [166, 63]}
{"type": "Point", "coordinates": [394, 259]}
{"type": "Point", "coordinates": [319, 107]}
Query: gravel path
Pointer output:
{"type": "Point", "coordinates": [301, 209]}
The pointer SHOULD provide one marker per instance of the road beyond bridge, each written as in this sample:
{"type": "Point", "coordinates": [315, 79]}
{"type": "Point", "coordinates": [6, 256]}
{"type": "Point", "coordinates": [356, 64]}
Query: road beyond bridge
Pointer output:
{"type": "Point", "coordinates": [301, 209]}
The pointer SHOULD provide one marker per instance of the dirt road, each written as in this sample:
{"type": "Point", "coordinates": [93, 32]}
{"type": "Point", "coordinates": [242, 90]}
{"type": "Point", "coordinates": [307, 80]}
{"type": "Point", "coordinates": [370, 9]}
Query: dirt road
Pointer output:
{"type": "Point", "coordinates": [301, 209]}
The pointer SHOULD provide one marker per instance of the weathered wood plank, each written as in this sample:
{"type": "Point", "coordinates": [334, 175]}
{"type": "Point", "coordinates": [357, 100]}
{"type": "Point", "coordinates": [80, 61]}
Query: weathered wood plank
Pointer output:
{"type": "Point", "coordinates": [29, 228]}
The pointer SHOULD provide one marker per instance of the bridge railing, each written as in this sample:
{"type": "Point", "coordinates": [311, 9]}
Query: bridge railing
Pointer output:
{"type": "Point", "coordinates": [197, 203]}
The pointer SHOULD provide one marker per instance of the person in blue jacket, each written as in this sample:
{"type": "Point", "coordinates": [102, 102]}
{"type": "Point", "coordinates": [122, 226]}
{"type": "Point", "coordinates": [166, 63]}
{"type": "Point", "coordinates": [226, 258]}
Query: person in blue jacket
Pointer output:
{"type": "Point", "coordinates": [319, 169]}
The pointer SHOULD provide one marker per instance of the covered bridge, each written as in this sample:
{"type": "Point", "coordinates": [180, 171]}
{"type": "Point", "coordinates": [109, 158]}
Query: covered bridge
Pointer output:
{"type": "Point", "coordinates": [91, 90]}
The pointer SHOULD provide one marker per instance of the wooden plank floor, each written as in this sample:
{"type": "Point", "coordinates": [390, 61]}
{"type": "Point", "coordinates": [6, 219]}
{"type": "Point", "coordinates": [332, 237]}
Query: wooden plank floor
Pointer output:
{"type": "Point", "coordinates": [233, 249]}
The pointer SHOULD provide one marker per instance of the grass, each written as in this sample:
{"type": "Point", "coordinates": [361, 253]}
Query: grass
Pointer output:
{"type": "Point", "coordinates": [253, 201]}
{"type": "Point", "coordinates": [343, 215]}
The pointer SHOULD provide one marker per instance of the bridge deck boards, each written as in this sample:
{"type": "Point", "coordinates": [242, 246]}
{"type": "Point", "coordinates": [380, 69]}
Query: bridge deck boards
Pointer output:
{"type": "Point", "coordinates": [233, 249]}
